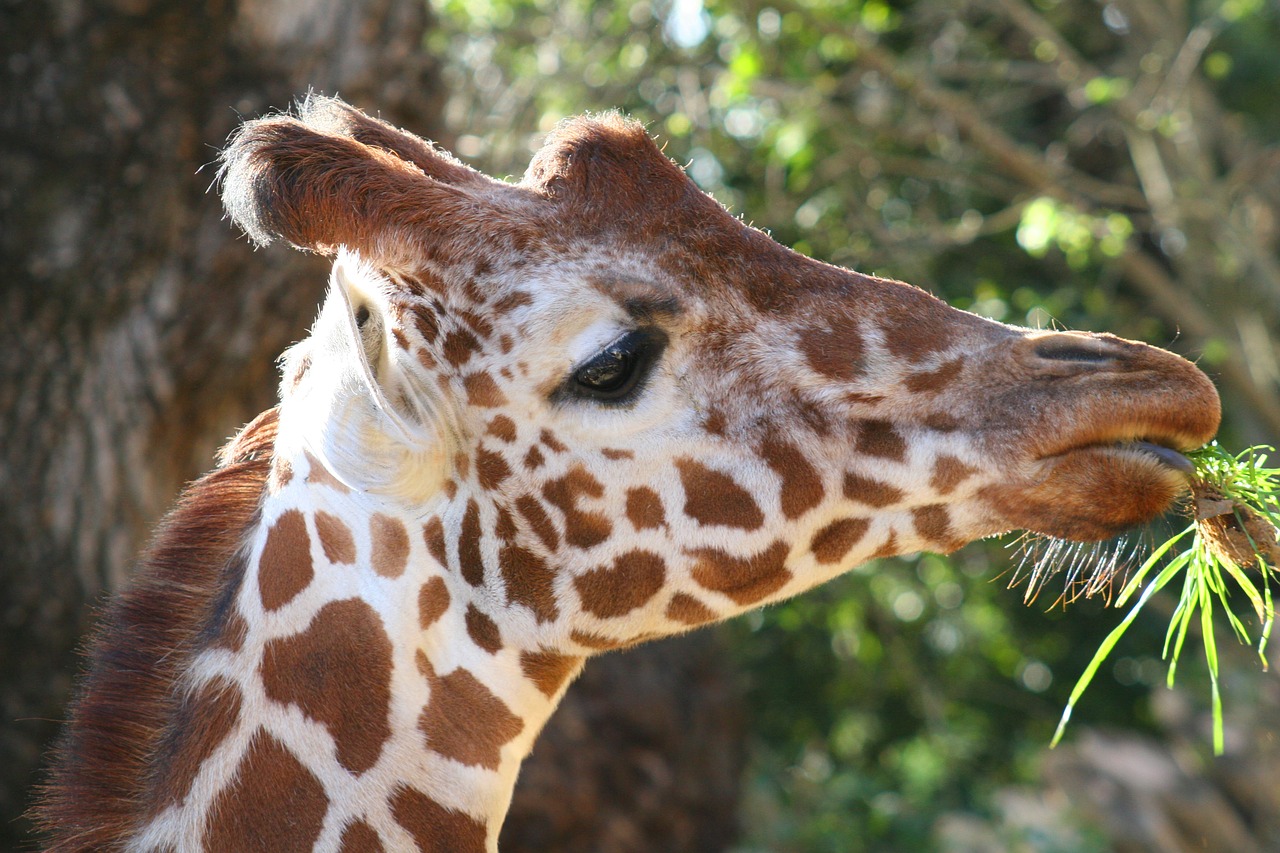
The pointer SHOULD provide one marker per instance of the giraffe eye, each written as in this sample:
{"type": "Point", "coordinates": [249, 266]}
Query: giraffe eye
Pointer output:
{"type": "Point", "coordinates": [619, 370]}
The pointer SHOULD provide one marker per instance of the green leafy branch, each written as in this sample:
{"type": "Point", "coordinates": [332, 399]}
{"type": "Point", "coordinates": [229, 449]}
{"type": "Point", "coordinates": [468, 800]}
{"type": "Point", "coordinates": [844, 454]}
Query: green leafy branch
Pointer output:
{"type": "Point", "coordinates": [1232, 550]}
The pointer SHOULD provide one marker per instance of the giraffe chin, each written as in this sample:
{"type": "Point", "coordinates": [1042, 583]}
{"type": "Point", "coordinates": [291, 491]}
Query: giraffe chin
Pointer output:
{"type": "Point", "coordinates": [1095, 492]}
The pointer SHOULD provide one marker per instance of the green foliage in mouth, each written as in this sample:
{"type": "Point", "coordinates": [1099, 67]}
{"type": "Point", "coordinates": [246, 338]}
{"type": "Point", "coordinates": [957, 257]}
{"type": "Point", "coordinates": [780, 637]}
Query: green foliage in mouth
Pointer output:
{"type": "Point", "coordinates": [1227, 554]}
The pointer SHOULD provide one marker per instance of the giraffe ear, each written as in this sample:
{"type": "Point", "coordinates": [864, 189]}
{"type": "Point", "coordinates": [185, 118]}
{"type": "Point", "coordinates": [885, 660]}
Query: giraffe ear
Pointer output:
{"type": "Point", "coordinates": [334, 177]}
{"type": "Point", "coordinates": [358, 413]}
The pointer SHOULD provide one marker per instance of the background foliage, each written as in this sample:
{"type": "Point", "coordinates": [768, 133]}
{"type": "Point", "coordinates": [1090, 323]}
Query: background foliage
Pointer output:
{"type": "Point", "coordinates": [1108, 166]}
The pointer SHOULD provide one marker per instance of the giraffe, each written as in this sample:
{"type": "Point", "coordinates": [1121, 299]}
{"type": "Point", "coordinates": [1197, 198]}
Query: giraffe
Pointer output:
{"type": "Point", "coordinates": [533, 422]}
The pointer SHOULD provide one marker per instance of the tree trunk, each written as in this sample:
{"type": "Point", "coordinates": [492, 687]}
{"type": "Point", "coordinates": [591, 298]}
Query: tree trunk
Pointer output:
{"type": "Point", "coordinates": [140, 331]}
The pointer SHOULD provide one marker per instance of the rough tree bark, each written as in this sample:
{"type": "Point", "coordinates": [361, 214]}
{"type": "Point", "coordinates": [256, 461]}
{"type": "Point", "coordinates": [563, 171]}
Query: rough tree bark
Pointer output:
{"type": "Point", "coordinates": [139, 332]}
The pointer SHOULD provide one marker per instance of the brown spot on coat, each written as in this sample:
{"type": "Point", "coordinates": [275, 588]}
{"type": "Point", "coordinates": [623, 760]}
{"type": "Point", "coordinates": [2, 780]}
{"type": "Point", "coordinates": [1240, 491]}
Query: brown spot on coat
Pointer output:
{"type": "Point", "coordinates": [801, 484]}
{"type": "Point", "coordinates": [462, 462]}
{"type": "Point", "coordinates": [469, 559]}
{"type": "Point", "coordinates": [478, 324]}
{"type": "Point", "coordinates": [284, 569]}
{"type": "Point", "coordinates": [483, 630]}
{"type": "Point", "coordinates": [319, 475]}
{"type": "Point", "coordinates": [871, 492]}
{"type": "Point", "coordinates": [553, 444]}
{"type": "Point", "coordinates": [359, 837]}
{"type": "Point", "coordinates": [644, 508]}
{"type": "Point", "coordinates": [459, 346]}
{"type": "Point", "coordinates": [269, 782]}
{"type": "Point", "coordinates": [491, 468]}
{"type": "Point", "coordinates": [713, 498]}
{"type": "Point", "coordinates": [688, 610]}
{"type": "Point", "coordinates": [837, 353]}
{"type": "Point", "coordinates": [338, 672]}
{"type": "Point", "coordinates": [598, 642]}
{"type": "Point", "coordinates": [531, 509]}
{"type": "Point", "coordinates": [482, 391]}
{"type": "Point", "coordinates": [942, 422]}
{"type": "Point", "coordinates": [335, 538]}
{"type": "Point", "coordinates": [463, 720]}
{"type": "Point", "coordinates": [390, 545]}
{"type": "Point", "coordinates": [426, 322]}
{"type": "Point", "coordinates": [433, 535]}
{"type": "Point", "coordinates": [634, 579]}
{"type": "Point", "coordinates": [832, 543]}
{"type": "Point", "coordinates": [503, 428]}
{"type": "Point", "coordinates": [548, 670]}
{"type": "Point", "coordinates": [879, 438]}
{"type": "Point", "coordinates": [505, 528]}
{"type": "Point", "coordinates": [433, 602]}
{"type": "Point", "coordinates": [582, 529]}
{"type": "Point", "coordinates": [933, 523]}
{"type": "Point", "coordinates": [949, 472]}
{"type": "Point", "coordinates": [204, 720]}
{"type": "Point", "coordinates": [890, 548]}
{"type": "Point", "coordinates": [436, 829]}
{"type": "Point", "coordinates": [714, 423]}
{"type": "Point", "coordinates": [932, 381]}
{"type": "Point", "coordinates": [533, 459]}
{"type": "Point", "coordinates": [281, 475]}
{"type": "Point", "coordinates": [233, 634]}
{"type": "Point", "coordinates": [512, 301]}
{"type": "Point", "coordinates": [615, 454]}
{"type": "Point", "coordinates": [529, 582]}
{"type": "Point", "coordinates": [745, 580]}
{"type": "Point", "coordinates": [918, 325]}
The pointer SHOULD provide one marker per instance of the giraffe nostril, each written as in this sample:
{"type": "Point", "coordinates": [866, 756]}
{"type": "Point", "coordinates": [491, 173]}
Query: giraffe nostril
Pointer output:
{"type": "Point", "coordinates": [1074, 348]}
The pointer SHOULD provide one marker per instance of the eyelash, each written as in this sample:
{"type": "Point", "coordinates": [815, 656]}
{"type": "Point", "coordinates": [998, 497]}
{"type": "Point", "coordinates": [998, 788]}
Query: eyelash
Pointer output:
{"type": "Point", "coordinates": [619, 371]}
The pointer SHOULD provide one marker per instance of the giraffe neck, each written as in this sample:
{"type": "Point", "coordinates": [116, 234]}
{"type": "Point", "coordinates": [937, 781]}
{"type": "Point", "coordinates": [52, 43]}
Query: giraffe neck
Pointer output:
{"type": "Point", "coordinates": [369, 687]}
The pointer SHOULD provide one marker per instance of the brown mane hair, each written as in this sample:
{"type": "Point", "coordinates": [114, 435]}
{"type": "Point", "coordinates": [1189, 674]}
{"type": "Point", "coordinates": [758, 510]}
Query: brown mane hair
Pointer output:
{"type": "Point", "coordinates": [100, 785]}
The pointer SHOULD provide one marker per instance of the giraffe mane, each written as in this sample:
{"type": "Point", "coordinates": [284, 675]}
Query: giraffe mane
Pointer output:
{"type": "Point", "coordinates": [177, 603]}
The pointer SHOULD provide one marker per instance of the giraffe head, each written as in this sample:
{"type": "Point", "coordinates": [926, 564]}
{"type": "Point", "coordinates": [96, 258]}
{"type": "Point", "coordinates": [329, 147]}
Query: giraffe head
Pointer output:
{"type": "Point", "coordinates": [617, 411]}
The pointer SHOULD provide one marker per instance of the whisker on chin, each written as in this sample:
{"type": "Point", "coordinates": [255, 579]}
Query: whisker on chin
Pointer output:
{"type": "Point", "coordinates": [1087, 569]}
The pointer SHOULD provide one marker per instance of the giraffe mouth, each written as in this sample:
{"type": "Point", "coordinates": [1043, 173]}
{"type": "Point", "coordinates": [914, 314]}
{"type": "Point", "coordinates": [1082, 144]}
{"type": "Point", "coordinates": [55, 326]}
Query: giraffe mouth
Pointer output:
{"type": "Point", "coordinates": [1167, 452]}
{"type": "Point", "coordinates": [1162, 452]}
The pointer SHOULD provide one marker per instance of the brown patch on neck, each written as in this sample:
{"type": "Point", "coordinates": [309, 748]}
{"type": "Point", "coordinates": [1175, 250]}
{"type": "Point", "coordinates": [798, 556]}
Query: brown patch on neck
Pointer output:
{"type": "Point", "coordinates": [879, 438]}
{"type": "Point", "coordinates": [949, 472]}
{"type": "Point", "coordinates": [322, 476]}
{"type": "Point", "coordinates": [549, 670]}
{"type": "Point", "coordinates": [634, 579]}
{"type": "Point", "coordinates": [204, 720]}
{"type": "Point", "coordinates": [359, 837]}
{"type": "Point", "coordinates": [338, 672]}
{"type": "Point", "coordinates": [746, 580]}
{"type": "Point", "coordinates": [687, 610]}
{"type": "Point", "coordinates": [484, 632]}
{"type": "Point", "coordinates": [270, 782]}
{"type": "Point", "coordinates": [335, 538]}
{"type": "Point", "coordinates": [436, 829]}
{"type": "Point", "coordinates": [714, 498]}
{"type": "Point", "coordinates": [463, 720]}
{"type": "Point", "coordinates": [390, 545]}
{"type": "Point", "coordinates": [833, 543]}
{"type": "Point", "coordinates": [284, 568]}
{"type": "Point", "coordinates": [644, 508]}
{"type": "Point", "coordinates": [583, 529]}
{"type": "Point", "coordinates": [801, 483]}
{"type": "Point", "coordinates": [181, 601]}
